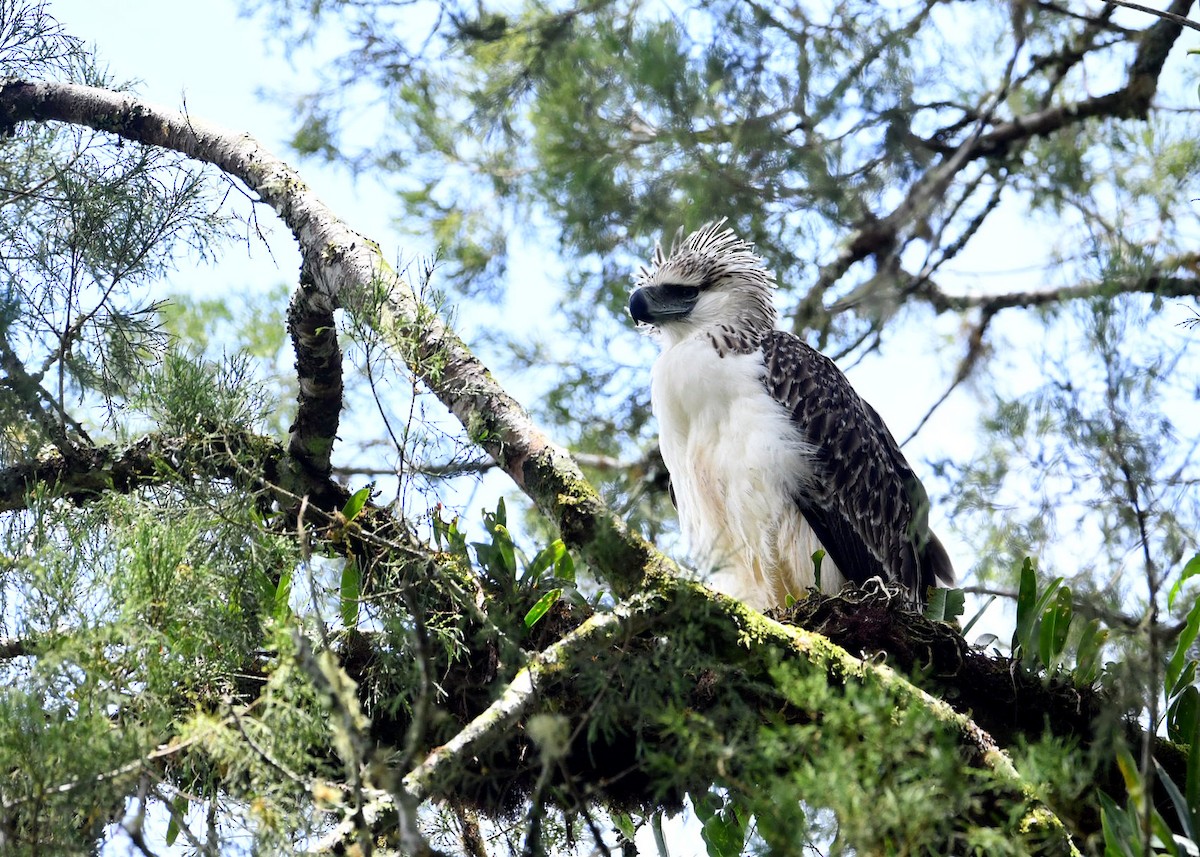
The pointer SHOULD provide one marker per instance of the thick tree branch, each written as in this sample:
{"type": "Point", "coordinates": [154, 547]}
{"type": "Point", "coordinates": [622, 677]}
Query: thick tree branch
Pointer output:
{"type": "Point", "coordinates": [156, 458]}
{"type": "Point", "coordinates": [318, 375]}
{"type": "Point", "coordinates": [543, 685]}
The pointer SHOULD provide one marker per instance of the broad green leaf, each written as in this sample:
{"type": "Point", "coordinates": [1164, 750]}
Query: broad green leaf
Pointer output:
{"type": "Point", "coordinates": [1187, 676]}
{"type": "Point", "coordinates": [538, 610]}
{"type": "Point", "coordinates": [355, 504]}
{"type": "Point", "coordinates": [1056, 623]}
{"type": "Point", "coordinates": [180, 804]}
{"type": "Point", "coordinates": [1129, 773]}
{"type": "Point", "coordinates": [1087, 652]}
{"type": "Point", "coordinates": [817, 558]}
{"type": "Point", "coordinates": [503, 544]}
{"type": "Point", "coordinates": [723, 829]}
{"type": "Point", "coordinates": [349, 593]}
{"type": "Point", "coordinates": [1119, 835]}
{"type": "Point", "coordinates": [1190, 570]}
{"type": "Point", "coordinates": [564, 567]}
{"type": "Point", "coordinates": [945, 605]}
{"type": "Point", "coordinates": [546, 558]}
{"type": "Point", "coordinates": [501, 514]}
{"type": "Point", "coordinates": [1182, 809]}
{"type": "Point", "coordinates": [1026, 598]}
{"type": "Point", "coordinates": [1187, 636]}
{"type": "Point", "coordinates": [624, 823]}
{"type": "Point", "coordinates": [1049, 593]}
{"type": "Point", "coordinates": [1183, 716]}
{"type": "Point", "coordinates": [935, 608]}
{"type": "Point", "coordinates": [283, 594]}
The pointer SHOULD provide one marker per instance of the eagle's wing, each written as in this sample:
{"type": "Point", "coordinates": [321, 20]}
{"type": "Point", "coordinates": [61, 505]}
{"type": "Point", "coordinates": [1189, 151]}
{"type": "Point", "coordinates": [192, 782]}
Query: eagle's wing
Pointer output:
{"type": "Point", "coordinates": [864, 502]}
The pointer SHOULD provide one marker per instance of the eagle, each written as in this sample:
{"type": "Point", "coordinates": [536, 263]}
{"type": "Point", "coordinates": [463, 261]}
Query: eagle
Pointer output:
{"type": "Point", "coordinates": [772, 455]}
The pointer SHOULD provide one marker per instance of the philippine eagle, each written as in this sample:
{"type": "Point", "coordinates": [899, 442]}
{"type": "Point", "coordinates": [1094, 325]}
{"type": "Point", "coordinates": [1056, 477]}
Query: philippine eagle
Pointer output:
{"type": "Point", "coordinates": [772, 455]}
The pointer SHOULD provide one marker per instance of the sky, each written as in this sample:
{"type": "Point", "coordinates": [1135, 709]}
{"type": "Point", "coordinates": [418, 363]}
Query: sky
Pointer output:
{"type": "Point", "coordinates": [206, 58]}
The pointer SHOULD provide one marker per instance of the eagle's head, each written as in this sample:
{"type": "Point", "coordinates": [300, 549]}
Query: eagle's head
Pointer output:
{"type": "Point", "coordinates": [710, 279]}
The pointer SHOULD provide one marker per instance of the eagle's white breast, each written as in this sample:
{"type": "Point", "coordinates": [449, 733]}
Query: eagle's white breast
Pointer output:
{"type": "Point", "coordinates": [736, 461]}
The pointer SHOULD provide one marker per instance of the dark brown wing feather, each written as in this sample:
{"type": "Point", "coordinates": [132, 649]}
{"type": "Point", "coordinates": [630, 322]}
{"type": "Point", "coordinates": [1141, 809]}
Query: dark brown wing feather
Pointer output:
{"type": "Point", "coordinates": [866, 505]}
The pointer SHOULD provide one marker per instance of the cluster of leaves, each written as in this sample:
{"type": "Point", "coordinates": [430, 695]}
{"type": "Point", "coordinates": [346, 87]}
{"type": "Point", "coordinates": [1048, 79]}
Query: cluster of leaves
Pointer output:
{"type": "Point", "coordinates": [1048, 628]}
{"type": "Point", "coordinates": [1129, 829]}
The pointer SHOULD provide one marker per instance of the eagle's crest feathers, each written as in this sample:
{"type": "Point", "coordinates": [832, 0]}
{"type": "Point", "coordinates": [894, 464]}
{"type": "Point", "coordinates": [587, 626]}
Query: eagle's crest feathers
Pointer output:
{"type": "Point", "coordinates": [735, 286]}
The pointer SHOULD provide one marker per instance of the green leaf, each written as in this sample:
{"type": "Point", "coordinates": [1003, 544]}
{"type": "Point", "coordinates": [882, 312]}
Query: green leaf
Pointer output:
{"type": "Point", "coordinates": [1129, 773]}
{"type": "Point", "coordinates": [1182, 809]}
{"type": "Point", "coordinates": [538, 610]}
{"type": "Point", "coordinates": [180, 805]}
{"type": "Point", "coordinates": [1190, 570]}
{"type": "Point", "coordinates": [551, 556]}
{"type": "Point", "coordinates": [355, 504]}
{"type": "Point", "coordinates": [624, 823]}
{"type": "Point", "coordinates": [935, 608]}
{"type": "Point", "coordinates": [283, 595]}
{"type": "Point", "coordinates": [349, 592]}
{"type": "Point", "coordinates": [817, 558]}
{"type": "Point", "coordinates": [1183, 716]}
{"type": "Point", "coordinates": [1192, 784]}
{"type": "Point", "coordinates": [1046, 596]}
{"type": "Point", "coordinates": [1119, 836]}
{"type": "Point", "coordinates": [446, 534]}
{"type": "Point", "coordinates": [1087, 652]}
{"type": "Point", "coordinates": [503, 544]}
{"type": "Point", "coordinates": [564, 567]}
{"type": "Point", "coordinates": [1056, 623]}
{"type": "Point", "coordinates": [1186, 637]}
{"type": "Point", "coordinates": [724, 828]}
{"type": "Point", "coordinates": [945, 605]}
{"type": "Point", "coordinates": [1187, 676]}
{"type": "Point", "coordinates": [1026, 598]}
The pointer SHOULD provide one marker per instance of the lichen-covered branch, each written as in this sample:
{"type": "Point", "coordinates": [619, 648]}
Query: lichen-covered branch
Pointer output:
{"type": "Point", "coordinates": [547, 686]}
{"type": "Point", "coordinates": [436, 773]}
{"type": "Point", "coordinates": [318, 377]}
{"type": "Point", "coordinates": [156, 458]}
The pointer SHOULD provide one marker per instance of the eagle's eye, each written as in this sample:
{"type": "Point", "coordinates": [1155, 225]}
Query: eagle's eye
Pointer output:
{"type": "Point", "coordinates": [683, 293]}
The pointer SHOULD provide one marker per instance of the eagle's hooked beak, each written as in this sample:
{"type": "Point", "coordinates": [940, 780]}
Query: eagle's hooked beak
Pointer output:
{"type": "Point", "coordinates": [656, 304]}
